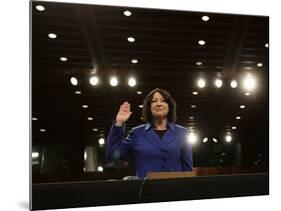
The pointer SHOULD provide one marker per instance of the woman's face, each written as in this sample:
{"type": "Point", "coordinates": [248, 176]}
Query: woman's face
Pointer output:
{"type": "Point", "coordinates": [159, 107]}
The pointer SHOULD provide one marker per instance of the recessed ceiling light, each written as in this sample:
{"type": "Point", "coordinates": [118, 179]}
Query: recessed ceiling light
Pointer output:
{"type": "Point", "coordinates": [113, 81]}
{"type": "Point", "coordinates": [195, 93]}
{"type": "Point", "coordinates": [140, 106]}
{"type": "Point", "coordinates": [101, 141]}
{"type": "Point", "coordinates": [192, 138]}
{"type": "Point", "coordinates": [201, 83]}
{"type": "Point", "coordinates": [233, 84]}
{"type": "Point", "coordinates": [266, 45]}
{"type": "Point", "coordinates": [134, 61]}
{"type": "Point", "coordinates": [218, 83]}
{"type": "Point", "coordinates": [139, 92]}
{"type": "Point", "coordinates": [131, 39]}
{"type": "Point", "coordinates": [205, 18]}
{"type": "Point", "coordinates": [193, 106]}
{"type": "Point", "coordinates": [100, 168]}
{"type": "Point", "coordinates": [95, 129]}
{"type": "Point", "coordinates": [199, 63]}
{"type": "Point", "coordinates": [228, 138]}
{"type": "Point", "coordinates": [191, 117]}
{"type": "Point", "coordinates": [63, 59]}
{"type": "Point", "coordinates": [238, 117]}
{"type": "Point", "coordinates": [201, 42]}
{"type": "Point", "coordinates": [242, 106]}
{"type": "Point", "coordinates": [205, 140]}
{"type": "Point", "coordinates": [233, 128]}
{"type": "Point", "coordinates": [35, 154]}
{"type": "Point", "coordinates": [215, 140]}
{"type": "Point", "coordinates": [259, 64]}
{"type": "Point", "coordinates": [34, 118]}
{"type": "Point", "coordinates": [85, 106]}
{"type": "Point", "coordinates": [78, 92]}
{"type": "Point", "coordinates": [132, 82]}
{"type": "Point", "coordinates": [249, 83]}
{"type": "Point", "coordinates": [94, 80]}
{"type": "Point", "coordinates": [247, 93]}
{"type": "Point", "coordinates": [52, 35]}
{"type": "Point", "coordinates": [127, 13]}
{"type": "Point", "coordinates": [40, 7]}
{"type": "Point", "coordinates": [90, 118]}
{"type": "Point", "coordinates": [74, 81]}
{"type": "Point", "coordinates": [42, 130]}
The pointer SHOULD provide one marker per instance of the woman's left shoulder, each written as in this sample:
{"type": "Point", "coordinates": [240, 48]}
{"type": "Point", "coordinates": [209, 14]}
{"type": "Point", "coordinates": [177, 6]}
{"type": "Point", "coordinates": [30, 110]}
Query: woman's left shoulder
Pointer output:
{"type": "Point", "coordinates": [181, 128]}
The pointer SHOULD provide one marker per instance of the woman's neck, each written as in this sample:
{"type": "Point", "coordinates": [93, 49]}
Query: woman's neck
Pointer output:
{"type": "Point", "coordinates": [160, 124]}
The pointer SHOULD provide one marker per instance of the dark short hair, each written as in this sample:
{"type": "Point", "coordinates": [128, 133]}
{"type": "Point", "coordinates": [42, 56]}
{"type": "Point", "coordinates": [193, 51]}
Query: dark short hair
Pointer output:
{"type": "Point", "coordinates": [146, 111]}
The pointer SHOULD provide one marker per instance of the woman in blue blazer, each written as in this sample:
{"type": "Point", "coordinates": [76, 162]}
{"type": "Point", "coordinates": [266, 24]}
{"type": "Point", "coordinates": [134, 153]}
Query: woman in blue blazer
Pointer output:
{"type": "Point", "coordinates": [160, 145]}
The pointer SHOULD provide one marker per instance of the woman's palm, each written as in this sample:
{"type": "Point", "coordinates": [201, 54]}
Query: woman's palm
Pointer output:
{"type": "Point", "coordinates": [124, 113]}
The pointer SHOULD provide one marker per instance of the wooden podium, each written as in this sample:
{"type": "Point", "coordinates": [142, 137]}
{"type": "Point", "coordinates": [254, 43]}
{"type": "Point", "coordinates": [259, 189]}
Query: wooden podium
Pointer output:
{"type": "Point", "coordinates": [171, 175]}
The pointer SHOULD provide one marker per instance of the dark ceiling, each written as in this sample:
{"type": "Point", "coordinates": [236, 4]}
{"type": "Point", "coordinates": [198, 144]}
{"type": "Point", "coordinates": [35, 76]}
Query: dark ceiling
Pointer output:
{"type": "Point", "coordinates": [94, 40]}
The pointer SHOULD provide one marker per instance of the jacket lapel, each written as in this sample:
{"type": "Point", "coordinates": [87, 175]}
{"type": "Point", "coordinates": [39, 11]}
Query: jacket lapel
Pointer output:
{"type": "Point", "coordinates": [153, 138]}
{"type": "Point", "coordinates": [170, 135]}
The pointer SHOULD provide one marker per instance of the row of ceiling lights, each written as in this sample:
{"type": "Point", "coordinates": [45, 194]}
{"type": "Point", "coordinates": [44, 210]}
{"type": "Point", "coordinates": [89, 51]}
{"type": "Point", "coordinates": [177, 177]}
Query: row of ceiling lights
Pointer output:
{"type": "Point", "coordinates": [133, 39]}
{"type": "Point", "coordinates": [192, 138]}
{"type": "Point", "coordinates": [113, 81]}
{"type": "Point", "coordinates": [132, 82]}
{"type": "Point", "coordinates": [249, 83]}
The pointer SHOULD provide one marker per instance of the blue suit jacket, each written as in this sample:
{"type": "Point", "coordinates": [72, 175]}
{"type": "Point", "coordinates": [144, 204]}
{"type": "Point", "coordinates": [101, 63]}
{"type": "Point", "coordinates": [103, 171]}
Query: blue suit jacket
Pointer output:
{"type": "Point", "coordinates": [152, 154]}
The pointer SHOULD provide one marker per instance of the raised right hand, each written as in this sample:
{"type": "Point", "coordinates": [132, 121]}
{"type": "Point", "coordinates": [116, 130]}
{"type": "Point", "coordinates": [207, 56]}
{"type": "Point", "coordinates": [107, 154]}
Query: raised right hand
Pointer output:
{"type": "Point", "coordinates": [123, 114]}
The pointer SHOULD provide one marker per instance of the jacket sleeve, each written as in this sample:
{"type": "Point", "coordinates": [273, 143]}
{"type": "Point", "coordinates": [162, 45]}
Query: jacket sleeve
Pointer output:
{"type": "Point", "coordinates": [186, 155]}
{"type": "Point", "coordinates": [117, 145]}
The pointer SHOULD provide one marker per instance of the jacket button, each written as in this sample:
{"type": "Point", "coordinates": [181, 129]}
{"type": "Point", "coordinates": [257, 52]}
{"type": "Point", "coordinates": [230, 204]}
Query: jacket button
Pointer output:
{"type": "Point", "coordinates": [162, 167]}
{"type": "Point", "coordinates": [164, 159]}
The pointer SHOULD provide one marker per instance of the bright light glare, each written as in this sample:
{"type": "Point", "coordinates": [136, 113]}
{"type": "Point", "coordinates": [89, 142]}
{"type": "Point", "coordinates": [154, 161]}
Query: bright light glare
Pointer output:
{"type": "Point", "coordinates": [100, 168]}
{"type": "Point", "coordinates": [94, 80]}
{"type": "Point", "coordinates": [218, 83]}
{"type": "Point", "coordinates": [127, 13]}
{"type": "Point", "coordinates": [215, 140]}
{"type": "Point", "coordinates": [233, 84]}
{"type": "Point", "coordinates": [131, 39]}
{"type": "Point", "coordinates": [85, 155]}
{"type": "Point", "coordinates": [192, 138]}
{"type": "Point", "coordinates": [201, 42]}
{"type": "Point", "coordinates": [74, 81]}
{"type": "Point", "coordinates": [249, 83]}
{"type": "Point", "coordinates": [52, 35]}
{"type": "Point", "coordinates": [40, 8]}
{"type": "Point", "coordinates": [132, 82]}
{"type": "Point", "coordinates": [201, 83]}
{"type": "Point", "coordinates": [228, 138]}
{"type": "Point", "coordinates": [63, 59]}
{"type": "Point", "coordinates": [134, 61]}
{"type": "Point", "coordinates": [101, 141]}
{"type": "Point", "coordinates": [113, 81]}
{"type": "Point", "coordinates": [205, 18]}
{"type": "Point", "coordinates": [205, 140]}
{"type": "Point", "coordinates": [35, 154]}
